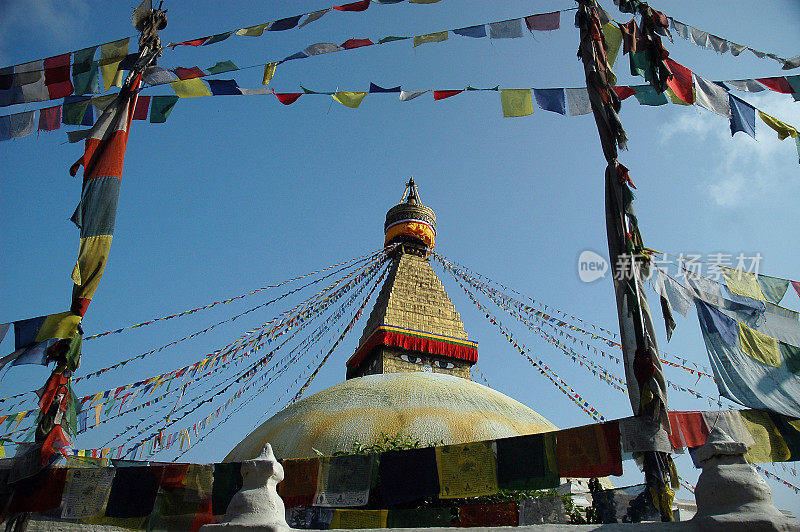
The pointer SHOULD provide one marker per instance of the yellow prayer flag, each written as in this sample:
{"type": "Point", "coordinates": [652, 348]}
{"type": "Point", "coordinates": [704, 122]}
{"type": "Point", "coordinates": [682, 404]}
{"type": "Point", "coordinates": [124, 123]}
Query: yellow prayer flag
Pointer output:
{"type": "Point", "coordinates": [350, 99]}
{"type": "Point", "coordinates": [61, 325]}
{"type": "Point", "coordinates": [101, 102]}
{"type": "Point", "coordinates": [516, 102]}
{"type": "Point", "coordinates": [613, 37]}
{"type": "Point", "coordinates": [352, 519]}
{"type": "Point", "coordinates": [770, 445]}
{"type": "Point", "coordinates": [19, 419]}
{"type": "Point", "coordinates": [439, 36]}
{"type": "Point", "coordinates": [759, 346]}
{"type": "Point", "coordinates": [466, 470]}
{"type": "Point", "coordinates": [2, 452]}
{"type": "Point", "coordinates": [114, 52]}
{"type": "Point", "coordinates": [190, 88]}
{"type": "Point", "coordinates": [97, 410]}
{"type": "Point", "coordinates": [109, 73]}
{"type": "Point", "coordinates": [783, 129]}
{"type": "Point", "coordinates": [269, 73]}
{"type": "Point", "coordinates": [253, 31]}
{"type": "Point", "coordinates": [743, 283]}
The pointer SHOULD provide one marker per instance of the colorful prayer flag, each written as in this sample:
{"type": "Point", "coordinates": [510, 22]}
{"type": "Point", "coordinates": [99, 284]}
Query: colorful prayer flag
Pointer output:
{"type": "Point", "coordinates": [544, 21]}
{"type": "Point", "coordinates": [466, 470]}
{"type": "Point", "coordinates": [551, 100]}
{"type": "Point", "coordinates": [472, 31]}
{"type": "Point", "coordinates": [438, 36]}
{"type": "Point", "coordinates": [190, 88]}
{"type": "Point", "coordinates": [516, 102]}
{"type": "Point", "coordinates": [781, 128]}
{"type": "Point", "coordinates": [161, 107]}
{"type": "Point", "coordinates": [269, 73]}
{"type": "Point", "coordinates": [350, 99]}
{"type": "Point", "coordinates": [442, 94]}
{"type": "Point", "coordinates": [743, 116]}
{"type": "Point", "coordinates": [353, 6]}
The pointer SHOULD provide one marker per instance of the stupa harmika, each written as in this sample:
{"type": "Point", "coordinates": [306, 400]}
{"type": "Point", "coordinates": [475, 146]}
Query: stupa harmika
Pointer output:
{"type": "Point", "coordinates": [409, 376]}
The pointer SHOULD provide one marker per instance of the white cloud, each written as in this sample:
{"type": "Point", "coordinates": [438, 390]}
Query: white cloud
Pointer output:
{"type": "Point", "coordinates": [739, 169]}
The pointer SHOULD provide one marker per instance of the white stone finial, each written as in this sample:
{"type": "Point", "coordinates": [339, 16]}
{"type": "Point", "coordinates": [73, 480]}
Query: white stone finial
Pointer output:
{"type": "Point", "coordinates": [257, 506]}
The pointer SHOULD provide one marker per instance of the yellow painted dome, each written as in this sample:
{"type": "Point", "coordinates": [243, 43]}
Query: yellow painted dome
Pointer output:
{"type": "Point", "coordinates": [430, 407]}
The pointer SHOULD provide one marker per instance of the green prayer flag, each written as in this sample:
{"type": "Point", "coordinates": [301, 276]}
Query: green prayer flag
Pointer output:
{"type": "Point", "coordinates": [87, 82]}
{"type": "Point", "coordinates": [647, 95]}
{"type": "Point", "coordinates": [438, 36]}
{"type": "Point", "coordinates": [773, 288]}
{"type": "Point", "coordinates": [309, 91]}
{"type": "Point", "coordinates": [641, 65]}
{"type": "Point", "coordinates": [161, 107]}
{"type": "Point", "coordinates": [253, 31]}
{"type": "Point", "coordinates": [391, 38]}
{"type": "Point", "coordinates": [73, 112]}
{"type": "Point", "coordinates": [495, 88]}
{"type": "Point", "coordinates": [350, 99]}
{"type": "Point", "coordinates": [791, 357]}
{"type": "Point", "coordinates": [222, 66]}
{"type": "Point", "coordinates": [218, 37]}
{"type": "Point", "coordinates": [82, 59]}
{"type": "Point", "coordinates": [516, 102]}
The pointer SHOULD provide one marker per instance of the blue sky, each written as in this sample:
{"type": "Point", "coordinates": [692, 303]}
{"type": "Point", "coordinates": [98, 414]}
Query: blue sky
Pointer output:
{"type": "Point", "coordinates": [233, 193]}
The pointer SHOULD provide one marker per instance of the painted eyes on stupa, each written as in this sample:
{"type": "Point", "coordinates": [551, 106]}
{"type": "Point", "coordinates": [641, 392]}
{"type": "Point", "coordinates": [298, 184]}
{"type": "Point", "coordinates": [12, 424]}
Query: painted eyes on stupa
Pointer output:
{"type": "Point", "coordinates": [443, 365]}
{"type": "Point", "coordinates": [411, 358]}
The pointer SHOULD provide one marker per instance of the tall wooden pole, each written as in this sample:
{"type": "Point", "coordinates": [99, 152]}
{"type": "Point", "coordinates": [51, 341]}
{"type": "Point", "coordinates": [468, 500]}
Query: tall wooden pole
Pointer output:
{"type": "Point", "coordinates": [644, 377]}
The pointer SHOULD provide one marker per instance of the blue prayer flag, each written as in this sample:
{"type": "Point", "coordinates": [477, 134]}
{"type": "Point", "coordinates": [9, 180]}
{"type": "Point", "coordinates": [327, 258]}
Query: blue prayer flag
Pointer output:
{"type": "Point", "coordinates": [743, 116]}
{"type": "Point", "coordinates": [551, 100]}
{"type": "Point", "coordinates": [284, 23]}
{"type": "Point", "coordinates": [376, 88]}
{"type": "Point", "coordinates": [5, 127]}
{"type": "Point", "coordinates": [298, 55]}
{"type": "Point", "coordinates": [224, 87]}
{"type": "Point", "coordinates": [472, 31]}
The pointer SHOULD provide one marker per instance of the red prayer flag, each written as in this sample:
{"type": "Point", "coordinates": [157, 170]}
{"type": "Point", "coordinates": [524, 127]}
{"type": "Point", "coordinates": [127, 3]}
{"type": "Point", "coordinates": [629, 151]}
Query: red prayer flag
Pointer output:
{"type": "Point", "coordinates": [349, 44]}
{"type": "Point", "coordinates": [193, 42]}
{"type": "Point", "coordinates": [441, 95]}
{"type": "Point", "coordinates": [50, 118]}
{"type": "Point", "coordinates": [39, 493]}
{"type": "Point", "coordinates": [55, 441]}
{"type": "Point", "coordinates": [681, 81]}
{"type": "Point", "coordinates": [486, 515]}
{"type": "Point", "coordinates": [624, 92]}
{"type": "Point", "coordinates": [777, 84]}
{"type": "Point", "coordinates": [796, 286]}
{"type": "Point", "coordinates": [544, 21]}
{"type": "Point", "coordinates": [142, 108]}
{"type": "Point", "coordinates": [354, 6]}
{"type": "Point", "coordinates": [56, 76]}
{"type": "Point", "coordinates": [688, 429]}
{"type": "Point", "coordinates": [188, 73]}
{"type": "Point", "coordinates": [589, 451]}
{"type": "Point", "coordinates": [287, 98]}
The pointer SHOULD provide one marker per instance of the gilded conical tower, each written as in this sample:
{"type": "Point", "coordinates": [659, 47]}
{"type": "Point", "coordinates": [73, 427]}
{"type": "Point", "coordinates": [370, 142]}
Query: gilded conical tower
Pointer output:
{"type": "Point", "coordinates": [414, 325]}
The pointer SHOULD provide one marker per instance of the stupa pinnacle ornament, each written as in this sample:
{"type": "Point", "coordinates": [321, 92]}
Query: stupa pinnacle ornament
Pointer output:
{"type": "Point", "coordinates": [410, 220]}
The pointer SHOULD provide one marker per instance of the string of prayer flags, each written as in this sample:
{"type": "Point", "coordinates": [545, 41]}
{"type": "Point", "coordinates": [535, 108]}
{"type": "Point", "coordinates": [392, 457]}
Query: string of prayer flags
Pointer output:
{"type": "Point", "coordinates": [527, 462]}
{"type": "Point", "coordinates": [344, 480]}
{"type": "Point", "coordinates": [397, 486]}
{"type": "Point", "coordinates": [589, 451]}
{"type": "Point", "coordinates": [33, 337]}
{"type": "Point", "coordinates": [466, 470]}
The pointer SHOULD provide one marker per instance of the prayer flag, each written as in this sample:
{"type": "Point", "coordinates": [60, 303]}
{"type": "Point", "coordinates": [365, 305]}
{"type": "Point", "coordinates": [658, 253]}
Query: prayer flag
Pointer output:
{"type": "Point", "coordinates": [790, 432]}
{"type": "Point", "coordinates": [30, 83]}
{"type": "Point", "coordinates": [300, 482]}
{"type": "Point", "coordinates": [712, 97]}
{"type": "Point", "coordinates": [631, 37]}
{"type": "Point", "coordinates": [298, 55]}
{"type": "Point", "coordinates": [349, 44]}
{"type": "Point", "coordinates": [40, 492]}
{"type": "Point", "coordinates": [794, 81]}
{"type": "Point", "coordinates": [397, 486]}
{"type": "Point", "coordinates": [674, 98]}
{"type": "Point", "coordinates": [516, 102]}
{"type": "Point", "coordinates": [613, 37]}
{"type": "Point", "coordinates": [50, 118]}
{"type": "Point", "coordinates": [56, 76]}
{"type": "Point", "coordinates": [344, 480]}
{"type": "Point", "coordinates": [222, 66]}
{"type": "Point", "coordinates": [441, 95]}
{"type": "Point", "coordinates": [350, 99]}
{"type": "Point", "coordinates": [681, 81]}
{"type": "Point", "coordinates": [376, 88]}
{"type": "Point", "coordinates": [488, 515]}
{"type": "Point", "coordinates": [190, 88]}
{"type": "Point", "coordinates": [784, 130]}
{"type": "Point", "coordinates": [507, 29]}
{"type": "Point", "coordinates": [647, 95]}
{"type": "Point", "coordinates": [322, 48]}
{"type": "Point", "coordinates": [76, 111]}
{"type": "Point", "coordinates": [354, 519]}
{"type": "Point", "coordinates": [688, 429]}
{"type": "Point", "coordinates": [161, 107]}
{"type": "Point", "coordinates": [551, 100]}
{"type": "Point", "coordinates": [392, 38]}
{"type": "Point", "coordinates": [133, 493]}
{"type": "Point", "coordinates": [285, 23]}
{"type": "Point", "coordinates": [466, 470]}
{"type": "Point", "coordinates": [188, 73]}
{"type": "Point", "coordinates": [745, 85]}
{"type": "Point", "coordinates": [589, 451]}
{"type": "Point", "coordinates": [742, 283]}
{"type": "Point", "coordinates": [269, 73]}
{"type": "Point", "coordinates": [419, 517]}
{"type": "Point", "coordinates": [769, 444]}
{"type": "Point", "coordinates": [227, 481]}
{"type": "Point", "coordinates": [34, 336]}
{"type": "Point", "coordinates": [718, 44]}
{"type": "Point", "coordinates": [472, 31]}
{"type": "Point", "coordinates": [410, 95]}
{"type": "Point", "coordinates": [218, 38]}
{"type": "Point", "coordinates": [85, 74]}
{"type": "Point", "coordinates": [438, 36]}
{"type": "Point", "coordinates": [142, 108]}
{"type": "Point", "coordinates": [578, 101]}
{"type": "Point", "coordinates": [624, 92]}
{"type": "Point", "coordinates": [21, 124]}
{"type": "Point", "coordinates": [777, 84]}
{"type": "Point", "coordinates": [759, 346]}
{"type": "Point", "coordinates": [193, 42]}
{"type": "Point", "coordinates": [773, 288]}
{"type": "Point", "coordinates": [253, 31]}
{"type": "Point", "coordinates": [86, 491]}
{"type": "Point", "coordinates": [288, 98]}
{"type": "Point", "coordinates": [544, 21]}
{"type": "Point", "coordinates": [353, 6]}
{"type": "Point", "coordinates": [316, 15]}
{"type": "Point", "coordinates": [527, 462]}
{"type": "Point", "coordinates": [743, 116]}
{"type": "Point", "coordinates": [224, 87]}
{"type": "Point", "coordinates": [111, 55]}
{"type": "Point", "coordinates": [156, 75]}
